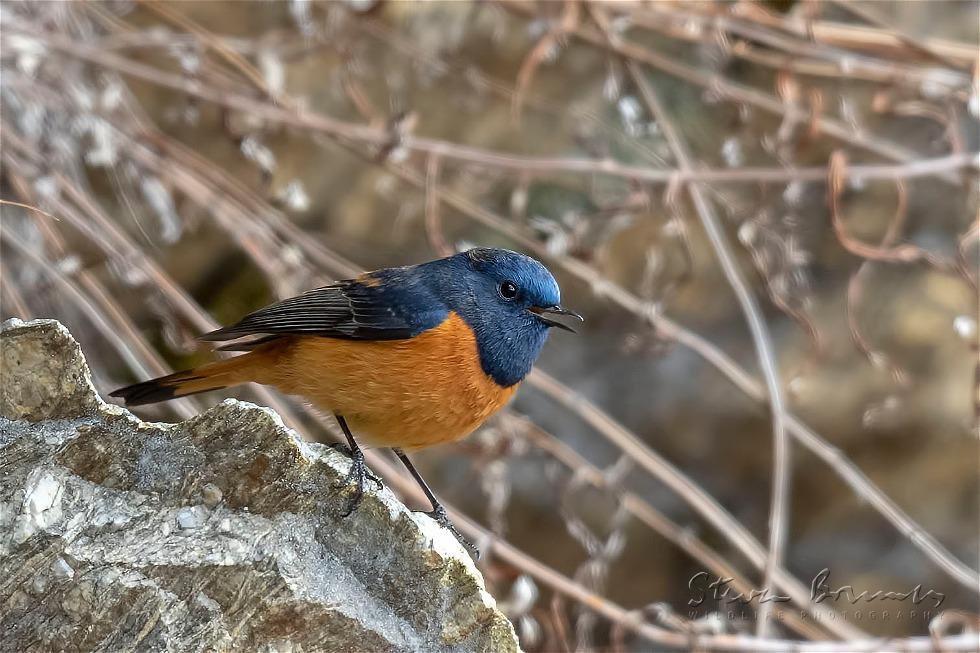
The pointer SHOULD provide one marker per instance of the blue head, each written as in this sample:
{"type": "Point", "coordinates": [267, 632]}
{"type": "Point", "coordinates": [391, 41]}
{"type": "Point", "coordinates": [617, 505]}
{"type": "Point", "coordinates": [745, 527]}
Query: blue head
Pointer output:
{"type": "Point", "coordinates": [508, 300]}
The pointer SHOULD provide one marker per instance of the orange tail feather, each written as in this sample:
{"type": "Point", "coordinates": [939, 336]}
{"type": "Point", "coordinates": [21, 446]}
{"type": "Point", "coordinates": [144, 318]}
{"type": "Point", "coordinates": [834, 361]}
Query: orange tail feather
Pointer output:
{"type": "Point", "coordinates": [212, 376]}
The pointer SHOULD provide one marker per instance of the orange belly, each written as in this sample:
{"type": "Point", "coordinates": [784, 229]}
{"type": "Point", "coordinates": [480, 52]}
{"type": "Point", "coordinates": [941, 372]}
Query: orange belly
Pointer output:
{"type": "Point", "coordinates": [395, 393]}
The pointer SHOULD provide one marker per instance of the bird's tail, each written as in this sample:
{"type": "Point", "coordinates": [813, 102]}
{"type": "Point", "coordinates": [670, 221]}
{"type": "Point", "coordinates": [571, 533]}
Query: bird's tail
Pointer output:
{"type": "Point", "coordinates": [212, 376]}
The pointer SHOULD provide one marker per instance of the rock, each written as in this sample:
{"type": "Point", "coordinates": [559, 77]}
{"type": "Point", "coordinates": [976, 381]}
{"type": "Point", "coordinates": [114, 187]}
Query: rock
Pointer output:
{"type": "Point", "coordinates": [221, 533]}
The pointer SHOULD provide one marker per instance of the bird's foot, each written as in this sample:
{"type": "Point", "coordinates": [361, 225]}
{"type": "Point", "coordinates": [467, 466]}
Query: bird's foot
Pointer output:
{"type": "Point", "coordinates": [438, 513]}
{"type": "Point", "coordinates": [357, 474]}
{"type": "Point", "coordinates": [344, 449]}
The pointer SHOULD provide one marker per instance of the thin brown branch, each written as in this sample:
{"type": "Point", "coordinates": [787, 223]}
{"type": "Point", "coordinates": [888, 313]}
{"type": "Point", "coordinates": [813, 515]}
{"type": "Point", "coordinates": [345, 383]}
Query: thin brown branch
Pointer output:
{"type": "Point", "coordinates": [433, 221]}
{"type": "Point", "coordinates": [855, 291]}
{"type": "Point", "coordinates": [922, 45]}
{"type": "Point", "coordinates": [29, 207]}
{"type": "Point", "coordinates": [797, 53]}
{"type": "Point", "coordinates": [890, 254]}
{"type": "Point", "coordinates": [359, 98]}
{"type": "Point", "coordinates": [962, 55]}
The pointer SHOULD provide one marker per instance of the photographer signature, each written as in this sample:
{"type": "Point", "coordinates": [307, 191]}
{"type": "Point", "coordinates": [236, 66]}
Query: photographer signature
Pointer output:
{"type": "Point", "coordinates": [720, 589]}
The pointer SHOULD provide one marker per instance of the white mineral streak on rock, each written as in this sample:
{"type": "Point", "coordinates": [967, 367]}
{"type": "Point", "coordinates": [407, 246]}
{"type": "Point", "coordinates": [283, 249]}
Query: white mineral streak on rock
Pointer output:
{"type": "Point", "coordinates": [42, 505]}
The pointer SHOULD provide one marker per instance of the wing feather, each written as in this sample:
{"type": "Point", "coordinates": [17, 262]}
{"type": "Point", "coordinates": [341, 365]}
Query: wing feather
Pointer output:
{"type": "Point", "coordinates": [357, 309]}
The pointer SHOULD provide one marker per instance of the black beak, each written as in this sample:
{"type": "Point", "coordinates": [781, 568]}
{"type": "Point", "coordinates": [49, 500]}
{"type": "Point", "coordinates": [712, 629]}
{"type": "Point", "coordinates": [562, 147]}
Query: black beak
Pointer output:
{"type": "Point", "coordinates": [543, 311]}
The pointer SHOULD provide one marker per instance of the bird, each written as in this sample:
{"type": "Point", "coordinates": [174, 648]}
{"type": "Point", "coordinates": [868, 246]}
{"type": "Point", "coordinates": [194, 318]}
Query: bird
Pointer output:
{"type": "Point", "coordinates": [405, 357]}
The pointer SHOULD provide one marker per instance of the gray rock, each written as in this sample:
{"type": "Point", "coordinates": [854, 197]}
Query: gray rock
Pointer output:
{"type": "Point", "coordinates": [220, 533]}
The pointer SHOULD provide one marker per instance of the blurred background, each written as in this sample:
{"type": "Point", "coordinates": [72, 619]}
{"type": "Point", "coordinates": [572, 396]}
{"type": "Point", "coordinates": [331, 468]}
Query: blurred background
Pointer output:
{"type": "Point", "coordinates": [684, 168]}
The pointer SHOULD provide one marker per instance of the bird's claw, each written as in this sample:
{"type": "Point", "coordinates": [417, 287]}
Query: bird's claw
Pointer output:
{"type": "Point", "coordinates": [344, 449]}
{"type": "Point", "coordinates": [438, 514]}
{"type": "Point", "coordinates": [358, 472]}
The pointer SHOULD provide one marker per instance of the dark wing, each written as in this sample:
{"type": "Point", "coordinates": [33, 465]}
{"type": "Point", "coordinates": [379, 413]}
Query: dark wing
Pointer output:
{"type": "Point", "coordinates": [362, 309]}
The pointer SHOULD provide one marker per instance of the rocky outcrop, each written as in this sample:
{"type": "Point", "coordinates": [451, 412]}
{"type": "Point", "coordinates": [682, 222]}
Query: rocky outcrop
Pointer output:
{"type": "Point", "coordinates": [220, 533]}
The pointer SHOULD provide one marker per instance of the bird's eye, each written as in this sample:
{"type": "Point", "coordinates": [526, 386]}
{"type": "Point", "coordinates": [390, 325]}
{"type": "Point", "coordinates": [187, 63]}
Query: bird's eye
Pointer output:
{"type": "Point", "coordinates": [508, 290]}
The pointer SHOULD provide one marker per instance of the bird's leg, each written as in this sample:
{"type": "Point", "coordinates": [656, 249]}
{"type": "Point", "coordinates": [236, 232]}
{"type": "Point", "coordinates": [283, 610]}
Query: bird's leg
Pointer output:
{"type": "Point", "coordinates": [438, 513]}
{"type": "Point", "coordinates": [351, 450]}
{"type": "Point", "coordinates": [358, 470]}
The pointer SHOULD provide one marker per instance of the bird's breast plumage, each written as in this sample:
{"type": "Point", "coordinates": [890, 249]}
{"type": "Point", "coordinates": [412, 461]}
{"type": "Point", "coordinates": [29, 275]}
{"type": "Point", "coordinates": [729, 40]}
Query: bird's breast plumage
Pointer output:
{"type": "Point", "coordinates": [407, 393]}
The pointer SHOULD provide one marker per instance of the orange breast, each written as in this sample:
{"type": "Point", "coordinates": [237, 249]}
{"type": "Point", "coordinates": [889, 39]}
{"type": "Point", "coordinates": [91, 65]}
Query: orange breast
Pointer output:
{"type": "Point", "coordinates": [396, 393]}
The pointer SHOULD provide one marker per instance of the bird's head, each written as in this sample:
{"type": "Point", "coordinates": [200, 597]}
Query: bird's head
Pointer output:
{"type": "Point", "coordinates": [518, 285]}
{"type": "Point", "coordinates": [511, 302]}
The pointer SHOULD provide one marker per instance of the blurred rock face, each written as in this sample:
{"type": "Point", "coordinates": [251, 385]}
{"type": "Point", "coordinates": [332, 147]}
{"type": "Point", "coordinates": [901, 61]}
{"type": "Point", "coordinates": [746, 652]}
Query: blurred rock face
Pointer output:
{"type": "Point", "coordinates": [220, 533]}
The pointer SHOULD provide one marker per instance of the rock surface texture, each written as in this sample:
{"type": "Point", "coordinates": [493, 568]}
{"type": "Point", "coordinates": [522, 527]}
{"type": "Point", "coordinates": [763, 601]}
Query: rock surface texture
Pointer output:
{"type": "Point", "coordinates": [220, 533]}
